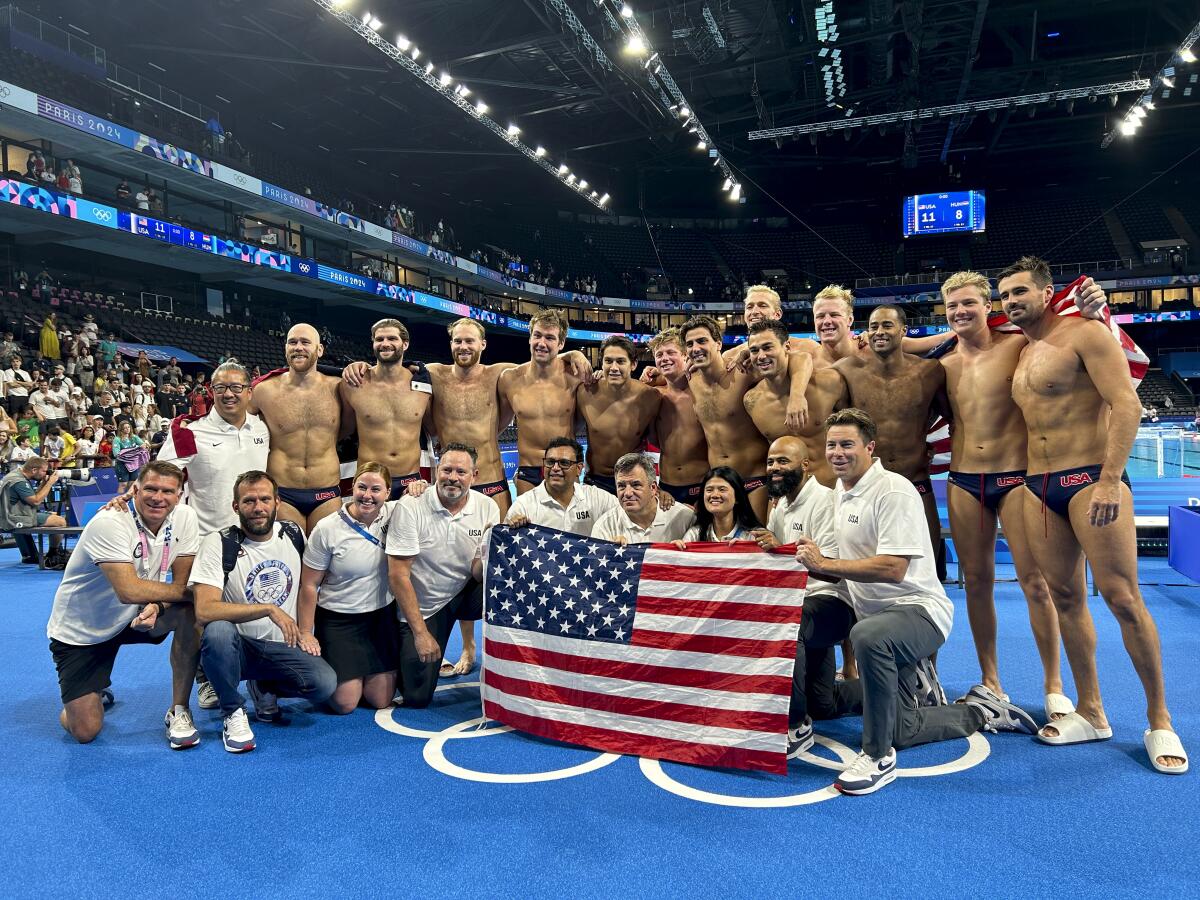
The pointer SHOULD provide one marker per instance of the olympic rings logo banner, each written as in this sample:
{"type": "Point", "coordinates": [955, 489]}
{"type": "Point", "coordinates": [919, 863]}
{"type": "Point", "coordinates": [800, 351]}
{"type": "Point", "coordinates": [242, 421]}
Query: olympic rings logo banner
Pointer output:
{"type": "Point", "coordinates": [711, 786]}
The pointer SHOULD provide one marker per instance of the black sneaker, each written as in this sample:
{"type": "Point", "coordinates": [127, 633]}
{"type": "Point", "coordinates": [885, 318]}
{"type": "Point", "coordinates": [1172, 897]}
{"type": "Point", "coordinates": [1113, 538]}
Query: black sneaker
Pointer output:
{"type": "Point", "coordinates": [266, 704]}
{"type": "Point", "coordinates": [998, 713]}
{"type": "Point", "coordinates": [866, 774]}
{"type": "Point", "coordinates": [800, 739]}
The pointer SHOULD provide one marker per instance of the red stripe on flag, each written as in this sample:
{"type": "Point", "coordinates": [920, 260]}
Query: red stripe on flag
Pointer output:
{"type": "Point", "coordinates": [639, 672]}
{"type": "Point", "coordinates": [717, 609]}
{"type": "Point", "coordinates": [687, 713]}
{"type": "Point", "coordinates": [639, 744]}
{"type": "Point", "coordinates": [764, 578]}
{"type": "Point", "coordinates": [711, 643]}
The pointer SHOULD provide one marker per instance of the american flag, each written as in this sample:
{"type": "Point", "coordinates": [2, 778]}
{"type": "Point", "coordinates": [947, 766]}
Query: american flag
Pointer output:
{"type": "Point", "coordinates": [643, 649]}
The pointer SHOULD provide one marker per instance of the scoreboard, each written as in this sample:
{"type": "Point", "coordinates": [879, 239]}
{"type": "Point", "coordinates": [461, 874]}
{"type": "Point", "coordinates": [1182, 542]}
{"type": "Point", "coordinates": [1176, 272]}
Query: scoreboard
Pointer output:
{"type": "Point", "coordinates": [944, 213]}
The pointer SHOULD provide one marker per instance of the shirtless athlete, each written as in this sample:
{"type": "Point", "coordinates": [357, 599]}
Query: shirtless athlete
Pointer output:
{"type": "Point", "coordinates": [1081, 412]}
{"type": "Point", "coordinates": [732, 438]}
{"type": "Point", "coordinates": [683, 452]}
{"type": "Point", "coordinates": [617, 411]}
{"type": "Point", "coordinates": [390, 408]}
{"type": "Point", "coordinates": [304, 414]}
{"type": "Point", "coordinates": [541, 394]}
{"type": "Point", "coordinates": [901, 393]}
{"type": "Point", "coordinates": [766, 402]}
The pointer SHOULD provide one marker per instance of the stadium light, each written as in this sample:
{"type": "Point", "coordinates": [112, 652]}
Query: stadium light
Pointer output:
{"type": "Point", "coordinates": [626, 11]}
{"type": "Point", "coordinates": [1187, 55]}
{"type": "Point", "coordinates": [727, 185]}
{"type": "Point", "coordinates": [1163, 81]}
{"type": "Point", "coordinates": [1129, 127]}
{"type": "Point", "coordinates": [583, 185]}
{"type": "Point", "coordinates": [636, 45]}
{"type": "Point", "coordinates": [570, 178]}
{"type": "Point", "coordinates": [404, 54]}
{"type": "Point", "coordinates": [563, 170]}
{"type": "Point", "coordinates": [736, 193]}
{"type": "Point", "coordinates": [701, 145]}
{"type": "Point", "coordinates": [684, 112]}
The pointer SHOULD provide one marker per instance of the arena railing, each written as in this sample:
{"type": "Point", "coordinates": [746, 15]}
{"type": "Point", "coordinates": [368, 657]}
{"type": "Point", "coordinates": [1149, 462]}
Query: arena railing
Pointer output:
{"type": "Point", "coordinates": [937, 276]}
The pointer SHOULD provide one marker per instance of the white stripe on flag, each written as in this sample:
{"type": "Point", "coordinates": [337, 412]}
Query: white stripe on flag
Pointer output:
{"type": "Point", "coordinates": [721, 560]}
{"type": "Point", "coordinates": [736, 593]}
{"type": "Point", "coordinates": [772, 704]}
{"type": "Point", "coordinates": [676, 659]}
{"type": "Point", "coordinates": [660, 728]}
{"type": "Point", "coordinates": [757, 631]}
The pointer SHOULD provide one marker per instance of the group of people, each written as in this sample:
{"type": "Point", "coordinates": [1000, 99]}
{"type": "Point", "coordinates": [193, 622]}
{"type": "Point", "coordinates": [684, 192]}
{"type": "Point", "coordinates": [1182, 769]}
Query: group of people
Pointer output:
{"type": "Point", "coordinates": [279, 580]}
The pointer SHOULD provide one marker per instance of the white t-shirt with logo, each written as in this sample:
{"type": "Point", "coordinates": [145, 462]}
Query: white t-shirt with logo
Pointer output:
{"type": "Point", "coordinates": [668, 525]}
{"type": "Point", "coordinates": [356, 570]}
{"type": "Point", "coordinates": [444, 545]}
{"type": "Point", "coordinates": [86, 608]}
{"type": "Point", "coordinates": [588, 504]}
{"type": "Point", "coordinates": [223, 452]}
{"type": "Point", "coordinates": [810, 515]}
{"type": "Point", "coordinates": [883, 515]}
{"type": "Point", "coordinates": [265, 572]}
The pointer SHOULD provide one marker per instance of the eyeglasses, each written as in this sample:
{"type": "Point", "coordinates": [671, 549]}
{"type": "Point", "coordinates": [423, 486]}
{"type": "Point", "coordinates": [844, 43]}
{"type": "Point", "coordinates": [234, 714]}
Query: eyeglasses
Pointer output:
{"type": "Point", "coordinates": [229, 388]}
{"type": "Point", "coordinates": [563, 464]}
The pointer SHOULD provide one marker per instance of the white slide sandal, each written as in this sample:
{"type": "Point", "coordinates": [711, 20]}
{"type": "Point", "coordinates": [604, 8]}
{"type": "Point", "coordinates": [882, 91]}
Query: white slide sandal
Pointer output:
{"type": "Point", "coordinates": [1161, 742]}
{"type": "Point", "coordinates": [1057, 706]}
{"type": "Point", "coordinates": [1073, 729]}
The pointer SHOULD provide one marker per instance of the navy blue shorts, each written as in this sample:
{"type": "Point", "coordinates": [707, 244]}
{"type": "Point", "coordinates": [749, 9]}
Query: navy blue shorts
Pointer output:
{"type": "Point", "coordinates": [988, 488]}
{"type": "Point", "coordinates": [604, 482]}
{"type": "Point", "coordinates": [1055, 489]}
{"type": "Point", "coordinates": [530, 474]}
{"type": "Point", "coordinates": [683, 493]}
{"type": "Point", "coordinates": [305, 500]}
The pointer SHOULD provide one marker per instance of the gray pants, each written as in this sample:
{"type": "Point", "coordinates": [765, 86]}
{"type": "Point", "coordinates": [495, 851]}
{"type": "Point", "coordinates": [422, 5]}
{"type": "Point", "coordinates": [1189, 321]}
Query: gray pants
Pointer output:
{"type": "Point", "coordinates": [888, 645]}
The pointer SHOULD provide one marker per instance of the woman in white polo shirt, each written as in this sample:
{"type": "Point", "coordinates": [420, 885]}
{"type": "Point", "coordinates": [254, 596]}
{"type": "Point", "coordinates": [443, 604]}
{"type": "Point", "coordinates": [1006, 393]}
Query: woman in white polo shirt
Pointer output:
{"type": "Point", "coordinates": [724, 512]}
{"type": "Point", "coordinates": [344, 599]}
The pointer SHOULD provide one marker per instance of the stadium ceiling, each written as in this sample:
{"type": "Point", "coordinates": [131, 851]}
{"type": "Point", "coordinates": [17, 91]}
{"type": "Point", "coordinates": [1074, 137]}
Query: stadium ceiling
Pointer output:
{"type": "Point", "coordinates": [562, 71]}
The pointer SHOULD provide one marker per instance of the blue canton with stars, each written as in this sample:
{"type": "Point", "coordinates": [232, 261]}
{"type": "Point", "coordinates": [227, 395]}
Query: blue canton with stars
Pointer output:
{"type": "Point", "coordinates": [560, 584]}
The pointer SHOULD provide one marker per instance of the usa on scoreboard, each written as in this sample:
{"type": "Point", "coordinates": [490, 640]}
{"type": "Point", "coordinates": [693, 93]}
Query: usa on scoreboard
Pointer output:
{"type": "Point", "coordinates": [944, 213]}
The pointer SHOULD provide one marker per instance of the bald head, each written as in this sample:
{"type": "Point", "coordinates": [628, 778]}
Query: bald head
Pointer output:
{"type": "Point", "coordinates": [303, 348]}
{"type": "Point", "coordinates": [787, 466]}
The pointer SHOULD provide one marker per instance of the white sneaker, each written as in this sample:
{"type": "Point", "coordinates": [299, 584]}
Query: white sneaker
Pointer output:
{"type": "Point", "coordinates": [206, 696]}
{"type": "Point", "coordinates": [236, 733]}
{"type": "Point", "coordinates": [181, 730]}
{"type": "Point", "coordinates": [800, 739]}
{"type": "Point", "coordinates": [866, 774]}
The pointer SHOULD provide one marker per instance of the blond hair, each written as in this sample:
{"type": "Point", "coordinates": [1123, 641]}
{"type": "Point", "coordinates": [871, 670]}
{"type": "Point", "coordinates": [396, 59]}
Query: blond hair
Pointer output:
{"type": "Point", "coordinates": [968, 279]}
{"type": "Point", "coordinates": [767, 292]}
{"type": "Point", "coordinates": [374, 468]}
{"type": "Point", "coordinates": [836, 292]}
{"type": "Point", "coordinates": [466, 321]}
{"type": "Point", "coordinates": [666, 336]}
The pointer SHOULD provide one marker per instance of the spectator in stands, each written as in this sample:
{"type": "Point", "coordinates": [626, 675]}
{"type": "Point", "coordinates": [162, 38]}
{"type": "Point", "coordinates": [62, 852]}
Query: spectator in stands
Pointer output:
{"type": "Point", "coordinates": [85, 369]}
{"type": "Point", "coordinates": [17, 383]}
{"type": "Point", "coordinates": [22, 452]}
{"type": "Point", "coordinates": [145, 369]}
{"type": "Point", "coordinates": [142, 199]}
{"type": "Point", "coordinates": [31, 171]}
{"type": "Point", "coordinates": [126, 459]}
{"type": "Point", "coordinates": [105, 410]}
{"type": "Point", "coordinates": [48, 346]}
{"type": "Point", "coordinates": [74, 177]}
{"type": "Point", "coordinates": [27, 424]}
{"type": "Point", "coordinates": [50, 405]}
{"type": "Point", "coordinates": [198, 401]}
{"type": "Point", "coordinates": [7, 446]}
{"type": "Point", "coordinates": [124, 414]}
{"type": "Point", "coordinates": [169, 371]}
{"type": "Point", "coordinates": [8, 347]}
{"type": "Point", "coordinates": [86, 446]}
{"type": "Point", "coordinates": [60, 372]}
{"type": "Point", "coordinates": [53, 445]}
{"type": "Point", "coordinates": [49, 178]}
{"type": "Point", "coordinates": [62, 181]}
{"type": "Point", "coordinates": [108, 350]}
{"type": "Point", "coordinates": [1168, 402]}
{"type": "Point", "coordinates": [123, 192]}
{"type": "Point", "coordinates": [45, 280]}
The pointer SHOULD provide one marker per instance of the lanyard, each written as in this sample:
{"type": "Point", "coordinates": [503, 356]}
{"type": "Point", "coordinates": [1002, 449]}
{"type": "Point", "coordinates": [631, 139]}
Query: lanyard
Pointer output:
{"type": "Point", "coordinates": [144, 538]}
{"type": "Point", "coordinates": [357, 527]}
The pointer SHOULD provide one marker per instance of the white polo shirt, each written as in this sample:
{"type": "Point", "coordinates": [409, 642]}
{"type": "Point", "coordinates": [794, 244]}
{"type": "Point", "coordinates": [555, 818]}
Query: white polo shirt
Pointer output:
{"type": "Point", "coordinates": [668, 525]}
{"type": "Point", "coordinates": [588, 504]}
{"type": "Point", "coordinates": [444, 544]}
{"type": "Point", "coordinates": [86, 608]}
{"type": "Point", "coordinates": [810, 515]}
{"type": "Point", "coordinates": [265, 572]}
{"type": "Point", "coordinates": [222, 453]}
{"type": "Point", "coordinates": [882, 515]}
{"type": "Point", "coordinates": [356, 570]}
